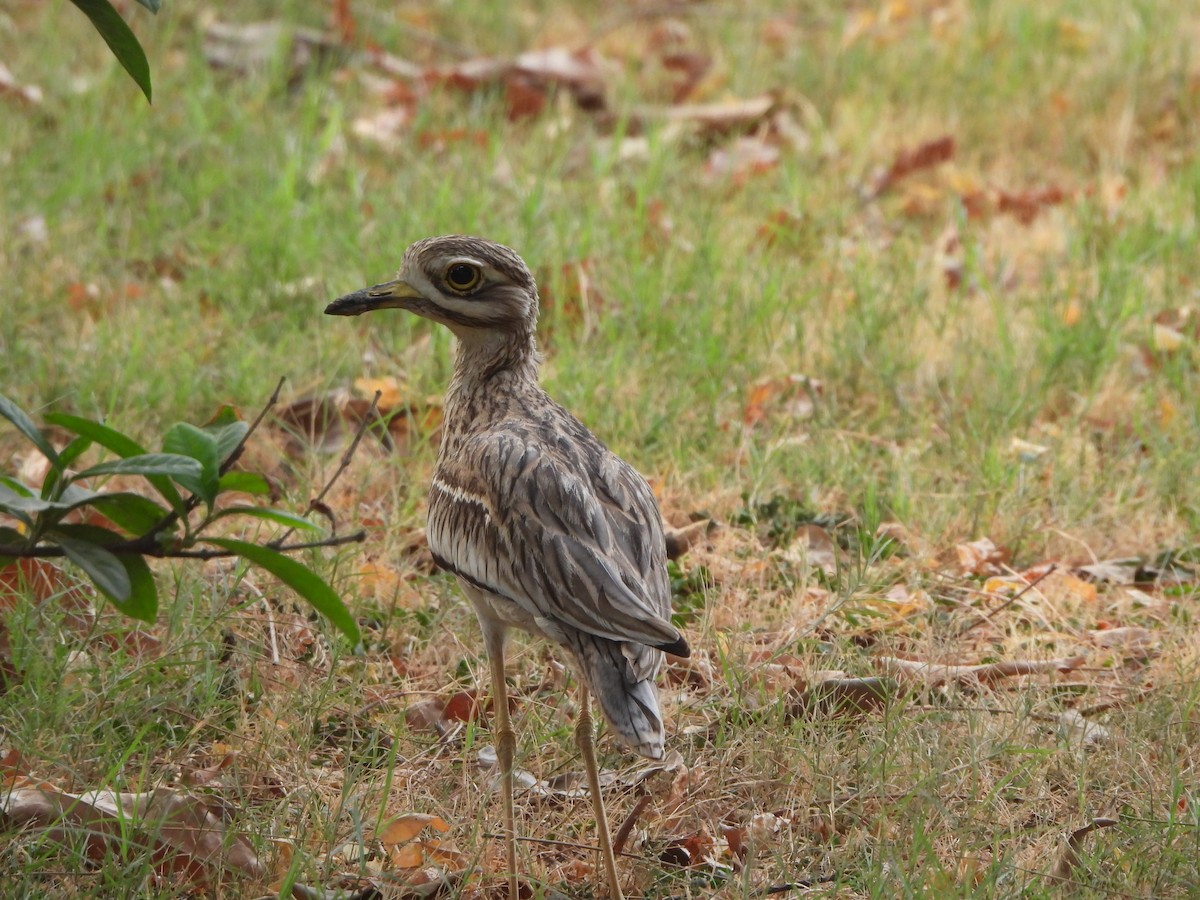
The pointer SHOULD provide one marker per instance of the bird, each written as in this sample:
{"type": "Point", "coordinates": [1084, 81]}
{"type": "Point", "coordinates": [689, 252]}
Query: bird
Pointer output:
{"type": "Point", "coordinates": [546, 530]}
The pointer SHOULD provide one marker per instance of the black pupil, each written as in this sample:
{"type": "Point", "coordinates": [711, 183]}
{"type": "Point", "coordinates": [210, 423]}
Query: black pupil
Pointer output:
{"type": "Point", "coordinates": [461, 275]}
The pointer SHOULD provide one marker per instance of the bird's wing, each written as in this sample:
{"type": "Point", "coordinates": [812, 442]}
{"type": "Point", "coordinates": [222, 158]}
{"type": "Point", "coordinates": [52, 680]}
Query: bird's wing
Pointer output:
{"type": "Point", "coordinates": [575, 545]}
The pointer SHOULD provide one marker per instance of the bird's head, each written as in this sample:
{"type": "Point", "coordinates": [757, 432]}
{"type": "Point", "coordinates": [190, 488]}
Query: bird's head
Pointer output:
{"type": "Point", "coordinates": [471, 285]}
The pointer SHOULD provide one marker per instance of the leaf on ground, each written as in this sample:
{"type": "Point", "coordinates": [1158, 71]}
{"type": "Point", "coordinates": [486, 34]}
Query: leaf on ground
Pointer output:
{"type": "Point", "coordinates": [814, 548]}
{"type": "Point", "coordinates": [1068, 860]}
{"type": "Point", "coordinates": [984, 673]}
{"type": "Point", "coordinates": [910, 160]}
{"type": "Point", "coordinates": [186, 836]}
{"type": "Point", "coordinates": [733, 115]}
{"type": "Point", "coordinates": [529, 77]}
{"type": "Point", "coordinates": [982, 557]}
{"type": "Point", "coordinates": [406, 827]}
{"type": "Point", "coordinates": [845, 696]}
{"type": "Point", "coordinates": [741, 160]}
{"type": "Point", "coordinates": [680, 540]}
{"type": "Point", "coordinates": [571, 303]}
{"type": "Point", "coordinates": [688, 851]}
{"type": "Point", "coordinates": [24, 94]}
{"type": "Point", "coordinates": [1025, 206]}
{"type": "Point", "coordinates": [254, 46]}
{"type": "Point", "coordinates": [787, 400]}
{"type": "Point", "coordinates": [1079, 730]}
{"type": "Point", "coordinates": [1129, 637]}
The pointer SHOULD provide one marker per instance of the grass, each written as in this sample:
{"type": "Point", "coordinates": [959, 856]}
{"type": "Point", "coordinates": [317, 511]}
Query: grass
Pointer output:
{"type": "Point", "coordinates": [189, 248]}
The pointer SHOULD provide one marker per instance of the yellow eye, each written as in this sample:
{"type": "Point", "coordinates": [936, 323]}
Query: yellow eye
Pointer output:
{"type": "Point", "coordinates": [463, 277]}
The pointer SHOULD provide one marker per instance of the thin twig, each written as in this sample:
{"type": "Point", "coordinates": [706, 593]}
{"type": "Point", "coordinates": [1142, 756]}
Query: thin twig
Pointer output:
{"type": "Point", "coordinates": [145, 542]}
{"type": "Point", "coordinates": [343, 464]}
{"type": "Point", "coordinates": [548, 842]}
{"type": "Point", "coordinates": [626, 828]}
{"type": "Point", "coordinates": [262, 414]}
{"type": "Point", "coordinates": [126, 548]}
{"type": "Point", "coordinates": [1010, 601]}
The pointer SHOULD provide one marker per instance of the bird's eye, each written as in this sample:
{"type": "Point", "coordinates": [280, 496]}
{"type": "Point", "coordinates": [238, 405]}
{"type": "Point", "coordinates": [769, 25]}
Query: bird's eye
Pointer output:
{"type": "Point", "coordinates": [463, 277]}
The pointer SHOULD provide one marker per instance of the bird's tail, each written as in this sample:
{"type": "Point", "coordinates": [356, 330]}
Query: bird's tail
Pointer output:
{"type": "Point", "coordinates": [621, 678]}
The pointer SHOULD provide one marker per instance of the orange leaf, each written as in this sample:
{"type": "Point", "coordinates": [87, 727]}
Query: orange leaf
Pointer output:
{"type": "Point", "coordinates": [408, 826]}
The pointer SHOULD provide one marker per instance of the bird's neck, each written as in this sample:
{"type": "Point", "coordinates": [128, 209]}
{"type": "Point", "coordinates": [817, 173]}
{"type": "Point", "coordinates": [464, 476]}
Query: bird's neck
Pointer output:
{"type": "Point", "coordinates": [491, 371]}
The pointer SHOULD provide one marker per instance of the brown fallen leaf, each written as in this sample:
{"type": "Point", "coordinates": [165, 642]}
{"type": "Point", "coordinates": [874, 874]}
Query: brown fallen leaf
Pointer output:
{"type": "Point", "coordinates": [680, 540]}
{"type": "Point", "coordinates": [845, 696]}
{"type": "Point", "coordinates": [985, 673]}
{"type": "Point", "coordinates": [907, 161]}
{"type": "Point", "coordinates": [185, 835]}
{"type": "Point", "coordinates": [1025, 206]}
{"type": "Point", "coordinates": [792, 398]}
{"type": "Point", "coordinates": [736, 114]}
{"type": "Point", "coordinates": [688, 851]}
{"type": "Point", "coordinates": [1068, 859]}
{"type": "Point", "coordinates": [982, 557]}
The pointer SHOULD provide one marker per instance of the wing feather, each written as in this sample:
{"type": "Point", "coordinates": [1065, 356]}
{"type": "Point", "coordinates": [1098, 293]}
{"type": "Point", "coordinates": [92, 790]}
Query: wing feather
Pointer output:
{"type": "Point", "coordinates": [527, 524]}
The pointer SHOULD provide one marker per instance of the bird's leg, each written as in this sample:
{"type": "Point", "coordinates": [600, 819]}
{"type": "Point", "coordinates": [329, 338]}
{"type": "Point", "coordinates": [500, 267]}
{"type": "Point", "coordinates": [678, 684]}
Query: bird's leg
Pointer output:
{"type": "Point", "coordinates": [506, 742]}
{"type": "Point", "coordinates": [585, 738]}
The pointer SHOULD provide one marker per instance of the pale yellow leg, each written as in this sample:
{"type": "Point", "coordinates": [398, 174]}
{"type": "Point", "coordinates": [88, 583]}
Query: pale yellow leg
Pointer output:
{"type": "Point", "coordinates": [506, 743]}
{"type": "Point", "coordinates": [584, 737]}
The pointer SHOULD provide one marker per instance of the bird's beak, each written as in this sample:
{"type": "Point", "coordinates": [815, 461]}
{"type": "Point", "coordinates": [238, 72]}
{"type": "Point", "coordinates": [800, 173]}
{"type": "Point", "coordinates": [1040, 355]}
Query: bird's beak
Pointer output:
{"type": "Point", "coordinates": [391, 294]}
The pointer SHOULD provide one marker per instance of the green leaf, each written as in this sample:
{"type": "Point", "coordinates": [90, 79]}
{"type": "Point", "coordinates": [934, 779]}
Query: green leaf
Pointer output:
{"type": "Point", "coordinates": [246, 483]}
{"type": "Point", "coordinates": [120, 39]}
{"type": "Point", "coordinates": [53, 485]}
{"type": "Point", "coordinates": [142, 600]}
{"type": "Point", "coordinates": [24, 506]}
{"type": "Point", "coordinates": [103, 567]}
{"type": "Point", "coordinates": [228, 437]}
{"type": "Point", "coordinates": [143, 592]}
{"type": "Point", "coordinates": [302, 580]}
{"type": "Point", "coordinates": [25, 425]}
{"type": "Point", "coordinates": [10, 537]}
{"type": "Point", "coordinates": [175, 465]}
{"type": "Point", "coordinates": [188, 440]}
{"type": "Point", "coordinates": [74, 450]}
{"type": "Point", "coordinates": [133, 512]}
{"type": "Point", "coordinates": [17, 487]}
{"type": "Point", "coordinates": [120, 444]}
{"type": "Point", "coordinates": [275, 515]}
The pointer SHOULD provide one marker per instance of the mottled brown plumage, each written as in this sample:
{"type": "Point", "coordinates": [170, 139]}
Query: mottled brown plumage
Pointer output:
{"type": "Point", "coordinates": [547, 530]}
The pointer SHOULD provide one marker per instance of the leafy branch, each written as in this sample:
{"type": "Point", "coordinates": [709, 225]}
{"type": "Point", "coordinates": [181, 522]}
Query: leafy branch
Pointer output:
{"type": "Point", "coordinates": [191, 475]}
